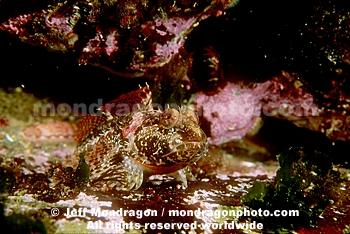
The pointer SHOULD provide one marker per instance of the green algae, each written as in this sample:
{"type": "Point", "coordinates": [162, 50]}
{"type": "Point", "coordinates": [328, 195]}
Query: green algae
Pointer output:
{"type": "Point", "coordinates": [82, 172]}
{"type": "Point", "coordinates": [346, 230]}
{"type": "Point", "coordinates": [228, 210]}
{"type": "Point", "coordinates": [306, 181]}
{"type": "Point", "coordinates": [23, 214]}
{"type": "Point", "coordinates": [19, 105]}
{"type": "Point", "coordinates": [74, 226]}
{"type": "Point", "coordinates": [19, 223]}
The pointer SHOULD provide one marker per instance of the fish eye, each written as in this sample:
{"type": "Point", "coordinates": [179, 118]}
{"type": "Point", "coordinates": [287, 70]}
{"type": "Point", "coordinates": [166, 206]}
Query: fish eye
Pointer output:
{"type": "Point", "coordinates": [169, 118]}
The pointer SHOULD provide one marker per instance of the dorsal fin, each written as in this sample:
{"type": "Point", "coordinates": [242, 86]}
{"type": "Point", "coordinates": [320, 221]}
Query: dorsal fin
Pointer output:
{"type": "Point", "coordinates": [140, 99]}
{"type": "Point", "coordinates": [87, 124]}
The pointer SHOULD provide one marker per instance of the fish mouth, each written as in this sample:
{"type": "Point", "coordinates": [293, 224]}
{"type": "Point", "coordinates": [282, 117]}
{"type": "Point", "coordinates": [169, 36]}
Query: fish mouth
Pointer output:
{"type": "Point", "coordinates": [187, 152]}
{"type": "Point", "coordinates": [182, 156]}
{"type": "Point", "coordinates": [179, 157]}
{"type": "Point", "coordinates": [163, 169]}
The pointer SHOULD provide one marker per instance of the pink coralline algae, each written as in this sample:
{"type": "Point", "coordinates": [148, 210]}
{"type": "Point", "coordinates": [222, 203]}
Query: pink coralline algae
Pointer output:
{"type": "Point", "coordinates": [50, 132]}
{"type": "Point", "coordinates": [232, 112]}
{"type": "Point", "coordinates": [286, 96]}
{"type": "Point", "coordinates": [175, 28]}
{"type": "Point", "coordinates": [335, 117]}
{"type": "Point", "coordinates": [130, 38]}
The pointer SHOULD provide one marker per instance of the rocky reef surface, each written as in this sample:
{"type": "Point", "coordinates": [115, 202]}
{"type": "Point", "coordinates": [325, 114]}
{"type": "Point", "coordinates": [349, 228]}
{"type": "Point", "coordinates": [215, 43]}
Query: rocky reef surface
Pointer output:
{"type": "Point", "coordinates": [271, 88]}
{"type": "Point", "coordinates": [38, 193]}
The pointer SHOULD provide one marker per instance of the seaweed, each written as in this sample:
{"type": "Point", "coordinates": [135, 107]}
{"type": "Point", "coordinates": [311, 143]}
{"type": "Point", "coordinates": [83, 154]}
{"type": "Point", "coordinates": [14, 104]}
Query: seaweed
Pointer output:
{"type": "Point", "coordinates": [16, 222]}
{"type": "Point", "coordinates": [19, 223]}
{"type": "Point", "coordinates": [305, 182]}
{"type": "Point", "coordinates": [82, 172]}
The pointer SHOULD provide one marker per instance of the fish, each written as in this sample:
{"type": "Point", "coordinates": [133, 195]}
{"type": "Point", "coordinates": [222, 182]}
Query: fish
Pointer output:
{"type": "Point", "coordinates": [130, 146]}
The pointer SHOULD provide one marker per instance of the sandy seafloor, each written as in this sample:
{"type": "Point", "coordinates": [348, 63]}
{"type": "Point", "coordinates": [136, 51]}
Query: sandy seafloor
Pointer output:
{"type": "Point", "coordinates": [222, 180]}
